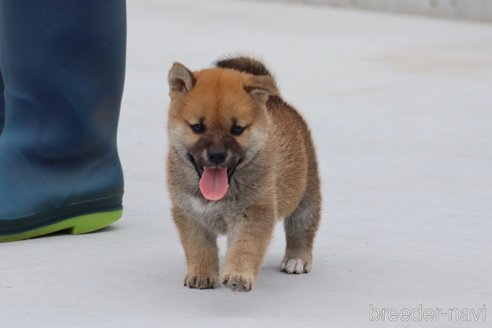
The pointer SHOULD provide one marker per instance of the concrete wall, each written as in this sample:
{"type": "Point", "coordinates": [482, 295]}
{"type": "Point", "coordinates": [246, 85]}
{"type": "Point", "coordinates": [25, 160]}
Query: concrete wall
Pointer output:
{"type": "Point", "coordinates": [480, 10]}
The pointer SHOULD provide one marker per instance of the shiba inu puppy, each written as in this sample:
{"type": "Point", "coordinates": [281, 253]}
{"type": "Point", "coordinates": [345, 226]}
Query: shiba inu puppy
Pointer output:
{"type": "Point", "coordinates": [239, 159]}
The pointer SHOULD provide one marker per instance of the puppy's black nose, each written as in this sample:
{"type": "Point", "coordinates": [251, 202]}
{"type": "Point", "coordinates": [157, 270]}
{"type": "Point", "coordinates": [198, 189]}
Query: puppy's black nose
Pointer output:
{"type": "Point", "coordinates": [216, 156]}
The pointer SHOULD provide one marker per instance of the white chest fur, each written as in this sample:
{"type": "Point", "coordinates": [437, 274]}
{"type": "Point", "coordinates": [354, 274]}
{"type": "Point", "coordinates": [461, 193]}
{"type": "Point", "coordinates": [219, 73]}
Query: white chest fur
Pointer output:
{"type": "Point", "coordinates": [202, 207]}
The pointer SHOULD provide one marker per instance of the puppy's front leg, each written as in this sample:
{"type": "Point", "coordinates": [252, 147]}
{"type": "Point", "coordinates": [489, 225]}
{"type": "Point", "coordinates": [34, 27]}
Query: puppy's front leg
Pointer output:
{"type": "Point", "coordinates": [248, 248]}
{"type": "Point", "coordinates": [201, 252]}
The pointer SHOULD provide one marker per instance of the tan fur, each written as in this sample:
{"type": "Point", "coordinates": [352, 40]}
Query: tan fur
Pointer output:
{"type": "Point", "coordinates": [276, 177]}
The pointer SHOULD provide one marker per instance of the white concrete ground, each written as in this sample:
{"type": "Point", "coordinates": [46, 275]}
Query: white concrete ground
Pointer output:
{"type": "Point", "coordinates": [401, 111]}
{"type": "Point", "coordinates": [478, 10]}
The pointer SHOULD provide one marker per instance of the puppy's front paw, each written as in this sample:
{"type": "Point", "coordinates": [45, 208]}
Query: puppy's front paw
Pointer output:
{"type": "Point", "coordinates": [201, 281]}
{"type": "Point", "coordinates": [295, 266]}
{"type": "Point", "coordinates": [238, 282]}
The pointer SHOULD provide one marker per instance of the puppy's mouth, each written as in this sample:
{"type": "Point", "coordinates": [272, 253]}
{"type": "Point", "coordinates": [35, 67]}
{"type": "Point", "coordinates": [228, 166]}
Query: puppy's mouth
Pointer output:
{"type": "Point", "coordinates": [213, 180]}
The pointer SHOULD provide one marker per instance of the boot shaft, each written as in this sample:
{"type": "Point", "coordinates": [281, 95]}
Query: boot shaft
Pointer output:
{"type": "Point", "coordinates": [64, 66]}
{"type": "Point", "coordinates": [2, 104]}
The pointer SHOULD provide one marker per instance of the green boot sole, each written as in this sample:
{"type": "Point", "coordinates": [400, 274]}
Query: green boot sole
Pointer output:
{"type": "Point", "coordinates": [75, 225]}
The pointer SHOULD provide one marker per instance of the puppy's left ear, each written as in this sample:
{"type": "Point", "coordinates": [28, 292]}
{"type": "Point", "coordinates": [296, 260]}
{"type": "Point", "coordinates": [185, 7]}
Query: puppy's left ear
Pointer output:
{"type": "Point", "coordinates": [261, 88]}
{"type": "Point", "coordinates": [180, 79]}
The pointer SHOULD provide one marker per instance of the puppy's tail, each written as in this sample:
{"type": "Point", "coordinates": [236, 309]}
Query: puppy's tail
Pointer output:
{"type": "Point", "coordinates": [244, 64]}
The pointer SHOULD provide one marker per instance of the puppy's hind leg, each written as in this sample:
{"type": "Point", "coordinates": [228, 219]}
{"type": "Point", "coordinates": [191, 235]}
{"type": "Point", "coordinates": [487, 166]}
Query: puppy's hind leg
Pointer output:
{"type": "Point", "coordinates": [300, 229]}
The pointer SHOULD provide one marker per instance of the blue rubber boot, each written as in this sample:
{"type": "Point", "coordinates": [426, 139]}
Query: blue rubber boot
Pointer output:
{"type": "Point", "coordinates": [2, 104]}
{"type": "Point", "coordinates": [63, 66]}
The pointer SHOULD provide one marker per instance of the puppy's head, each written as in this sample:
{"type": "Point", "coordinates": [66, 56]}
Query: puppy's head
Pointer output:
{"type": "Point", "coordinates": [217, 122]}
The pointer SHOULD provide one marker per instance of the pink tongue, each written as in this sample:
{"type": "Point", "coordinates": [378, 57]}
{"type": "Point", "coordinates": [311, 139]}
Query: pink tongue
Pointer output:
{"type": "Point", "coordinates": [213, 183]}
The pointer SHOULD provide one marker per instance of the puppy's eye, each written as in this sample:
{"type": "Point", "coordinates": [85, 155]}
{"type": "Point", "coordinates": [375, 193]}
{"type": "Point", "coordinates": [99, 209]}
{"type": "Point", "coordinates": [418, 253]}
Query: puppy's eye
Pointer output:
{"type": "Point", "coordinates": [237, 130]}
{"type": "Point", "coordinates": [198, 128]}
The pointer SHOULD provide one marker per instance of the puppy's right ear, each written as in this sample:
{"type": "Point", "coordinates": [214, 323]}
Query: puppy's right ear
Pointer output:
{"type": "Point", "coordinates": [180, 79]}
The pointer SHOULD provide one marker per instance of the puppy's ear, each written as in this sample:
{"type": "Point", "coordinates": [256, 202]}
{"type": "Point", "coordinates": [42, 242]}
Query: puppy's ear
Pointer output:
{"type": "Point", "coordinates": [261, 88]}
{"type": "Point", "coordinates": [180, 79]}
